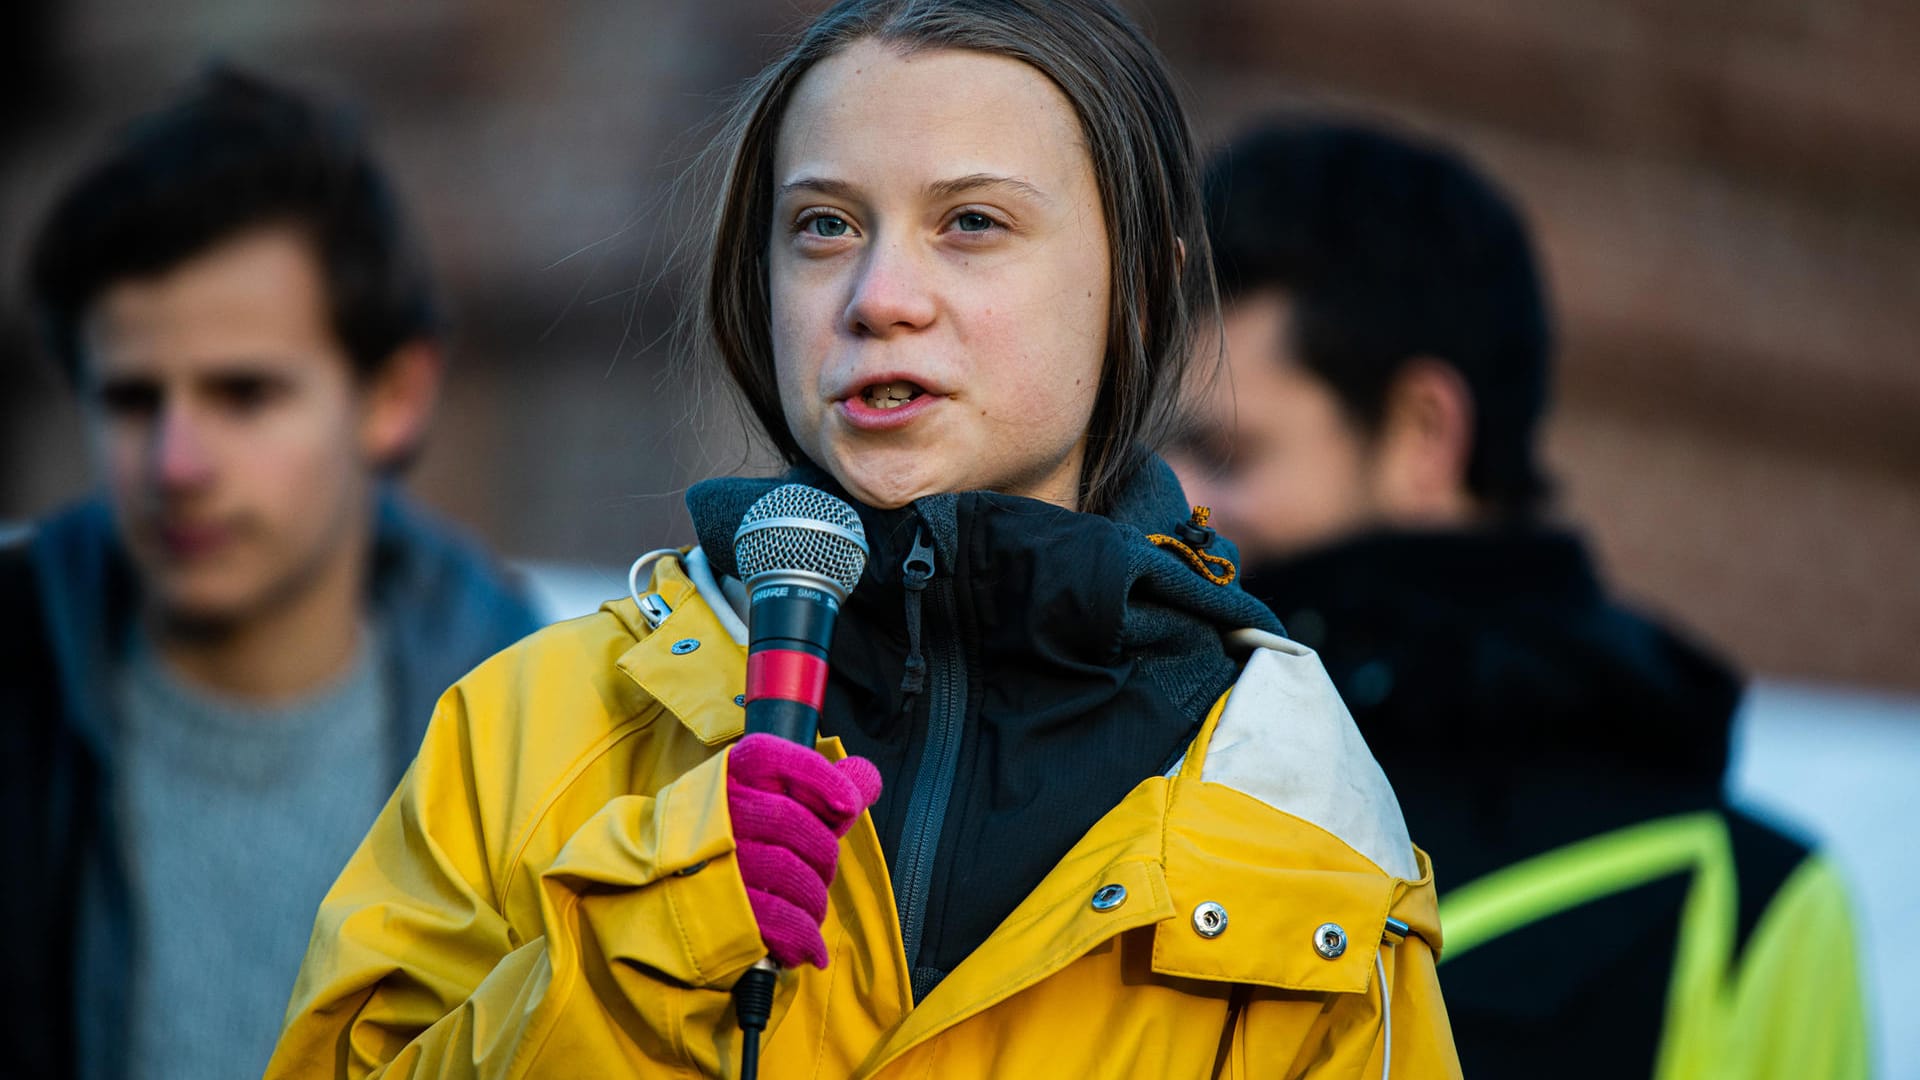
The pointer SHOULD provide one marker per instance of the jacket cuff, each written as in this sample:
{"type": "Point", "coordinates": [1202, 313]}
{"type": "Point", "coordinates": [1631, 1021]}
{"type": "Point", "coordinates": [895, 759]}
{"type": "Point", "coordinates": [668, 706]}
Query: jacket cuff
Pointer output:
{"type": "Point", "coordinates": [658, 884]}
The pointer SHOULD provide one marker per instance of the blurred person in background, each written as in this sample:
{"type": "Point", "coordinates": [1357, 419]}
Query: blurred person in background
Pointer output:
{"type": "Point", "coordinates": [213, 673]}
{"type": "Point", "coordinates": [1371, 449]}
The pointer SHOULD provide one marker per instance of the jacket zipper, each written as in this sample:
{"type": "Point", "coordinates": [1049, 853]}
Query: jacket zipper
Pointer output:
{"type": "Point", "coordinates": [939, 759]}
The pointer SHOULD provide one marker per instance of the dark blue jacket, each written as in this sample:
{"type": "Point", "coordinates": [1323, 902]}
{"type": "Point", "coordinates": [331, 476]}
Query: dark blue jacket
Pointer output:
{"type": "Point", "coordinates": [67, 594]}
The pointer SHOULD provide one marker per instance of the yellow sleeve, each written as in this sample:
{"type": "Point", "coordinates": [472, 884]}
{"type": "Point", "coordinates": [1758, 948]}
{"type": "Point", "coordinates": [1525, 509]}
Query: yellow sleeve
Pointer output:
{"type": "Point", "coordinates": [1422, 1036]}
{"type": "Point", "coordinates": [413, 970]}
{"type": "Point", "coordinates": [1798, 1007]}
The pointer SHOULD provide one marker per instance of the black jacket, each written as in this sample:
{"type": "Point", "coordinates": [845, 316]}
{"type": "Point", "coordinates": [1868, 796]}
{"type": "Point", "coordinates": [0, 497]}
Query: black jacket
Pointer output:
{"type": "Point", "coordinates": [66, 595]}
{"type": "Point", "coordinates": [1516, 709]}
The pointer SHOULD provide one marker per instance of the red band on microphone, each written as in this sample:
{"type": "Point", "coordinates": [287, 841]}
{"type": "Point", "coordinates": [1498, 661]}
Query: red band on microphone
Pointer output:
{"type": "Point", "coordinates": [787, 674]}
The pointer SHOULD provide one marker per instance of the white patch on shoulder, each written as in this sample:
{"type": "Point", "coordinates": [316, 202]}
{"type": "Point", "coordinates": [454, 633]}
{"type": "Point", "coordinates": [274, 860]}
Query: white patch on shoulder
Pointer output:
{"type": "Point", "coordinates": [1286, 738]}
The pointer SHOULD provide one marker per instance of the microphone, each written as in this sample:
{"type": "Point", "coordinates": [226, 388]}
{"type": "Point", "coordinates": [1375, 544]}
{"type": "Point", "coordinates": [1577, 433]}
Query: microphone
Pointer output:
{"type": "Point", "coordinates": [800, 552]}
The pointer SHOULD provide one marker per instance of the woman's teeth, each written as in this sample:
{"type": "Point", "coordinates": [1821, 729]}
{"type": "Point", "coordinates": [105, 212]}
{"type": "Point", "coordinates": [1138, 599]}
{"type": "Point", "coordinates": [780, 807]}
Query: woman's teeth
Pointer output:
{"type": "Point", "coordinates": [890, 395]}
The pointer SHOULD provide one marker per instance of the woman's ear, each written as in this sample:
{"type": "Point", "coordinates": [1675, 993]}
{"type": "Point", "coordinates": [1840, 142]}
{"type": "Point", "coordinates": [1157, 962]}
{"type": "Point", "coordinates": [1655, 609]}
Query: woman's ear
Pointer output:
{"type": "Point", "coordinates": [1425, 445]}
{"type": "Point", "coordinates": [398, 404]}
{"type": "Point", "coordinates": [1179, 256]}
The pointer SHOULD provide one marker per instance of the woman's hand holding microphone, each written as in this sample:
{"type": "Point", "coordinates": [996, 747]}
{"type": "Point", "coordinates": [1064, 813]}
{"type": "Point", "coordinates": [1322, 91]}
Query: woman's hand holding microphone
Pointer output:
{"type": "Point", "coordinates": [789, 807]}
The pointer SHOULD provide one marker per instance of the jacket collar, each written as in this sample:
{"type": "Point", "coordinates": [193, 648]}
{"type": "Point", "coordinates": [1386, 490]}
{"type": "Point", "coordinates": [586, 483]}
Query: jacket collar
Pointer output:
{"type": "Point", "coordinates": [1529, 564]}
{"type": "Point", "coordinates": [683, 680]}
{"type": "Point", "coordinates": [88, 597]}
{"type": "Point", "coordinates": [1127, 595]}
{"type": "Point", "coordinates": [1151, 503]}
{"type": "Point", "coordinates": [1421, 629]}
{"type": "Point", "coordinates": [443, 603]}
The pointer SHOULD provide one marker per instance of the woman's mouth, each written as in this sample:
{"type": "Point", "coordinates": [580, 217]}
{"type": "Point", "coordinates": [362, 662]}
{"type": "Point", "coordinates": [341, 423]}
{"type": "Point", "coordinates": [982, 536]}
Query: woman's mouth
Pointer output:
{"type": "Point", "coordinates": [890, 395]}
{"type": "Point", "coordinates": [884, 406]}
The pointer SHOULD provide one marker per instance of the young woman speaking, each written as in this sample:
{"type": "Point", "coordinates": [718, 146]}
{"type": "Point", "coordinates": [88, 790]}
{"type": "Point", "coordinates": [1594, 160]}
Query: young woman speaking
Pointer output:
{"type": "Point", "coordinates": [1077, 809]}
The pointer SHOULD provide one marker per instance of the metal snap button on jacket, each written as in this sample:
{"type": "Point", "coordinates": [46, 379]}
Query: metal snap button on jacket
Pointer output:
{"type": "Point", "coordinates": [1109, 897]}
{"type": "Point", "coordinates": [1330, 940]}
{"type": "Point", "coordinates": [1209, 920]}
{"type": "Point", "coordinates": [685, 645]}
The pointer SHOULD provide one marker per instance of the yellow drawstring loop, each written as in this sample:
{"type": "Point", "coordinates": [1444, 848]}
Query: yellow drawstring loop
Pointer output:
{"type": "Point", "coordinates": [1202, 561]}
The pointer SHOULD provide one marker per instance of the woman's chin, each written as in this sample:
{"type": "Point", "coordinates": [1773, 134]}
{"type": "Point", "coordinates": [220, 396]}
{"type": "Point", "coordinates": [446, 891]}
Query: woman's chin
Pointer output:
{"type": "Point", "coordinates": [889, 497]}
{"type": "Point", "coordinates": [890, 480]}
{"type": "Point", "coordinates": [885, 485]}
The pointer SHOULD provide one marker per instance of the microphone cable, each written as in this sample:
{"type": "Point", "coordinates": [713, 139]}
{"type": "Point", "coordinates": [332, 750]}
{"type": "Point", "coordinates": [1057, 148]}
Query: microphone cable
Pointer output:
{"type": "Point", "coordinates": [752, 1006]}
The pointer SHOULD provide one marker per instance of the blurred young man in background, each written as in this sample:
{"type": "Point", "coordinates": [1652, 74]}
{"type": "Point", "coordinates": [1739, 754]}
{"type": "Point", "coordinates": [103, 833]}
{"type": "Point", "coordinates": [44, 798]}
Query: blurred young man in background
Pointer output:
{"type": "Point", "coordinates": [212, 675]}
{"type": "Point", "coordinates": [1371, 448]}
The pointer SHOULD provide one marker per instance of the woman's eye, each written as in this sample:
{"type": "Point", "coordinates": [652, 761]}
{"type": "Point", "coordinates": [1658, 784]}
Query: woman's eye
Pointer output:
{"type": "Point", "coordinates": [973, 221]}
{"type": "Point", "coordinates": [826, 225]}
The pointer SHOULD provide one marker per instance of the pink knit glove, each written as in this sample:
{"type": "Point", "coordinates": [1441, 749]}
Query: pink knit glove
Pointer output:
{"type": "Point", "coordinates": [790, 806]}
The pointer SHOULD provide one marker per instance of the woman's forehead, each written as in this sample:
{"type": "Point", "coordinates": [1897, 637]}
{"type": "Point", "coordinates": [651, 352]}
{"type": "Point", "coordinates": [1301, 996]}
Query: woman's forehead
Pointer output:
{"type": "Point", "coordinates": [876, 115]}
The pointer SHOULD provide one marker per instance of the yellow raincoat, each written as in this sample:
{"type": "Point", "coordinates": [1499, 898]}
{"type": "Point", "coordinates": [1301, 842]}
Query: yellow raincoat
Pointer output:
{"type": "Point", "coordinates": [552, 892]}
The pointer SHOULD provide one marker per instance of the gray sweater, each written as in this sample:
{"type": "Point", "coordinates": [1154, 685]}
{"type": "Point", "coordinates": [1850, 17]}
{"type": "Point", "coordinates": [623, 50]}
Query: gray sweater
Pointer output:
{"type": "Point", "coordinates": [441, 605]}
{"type": "Point", "coordinates": [238, 818]}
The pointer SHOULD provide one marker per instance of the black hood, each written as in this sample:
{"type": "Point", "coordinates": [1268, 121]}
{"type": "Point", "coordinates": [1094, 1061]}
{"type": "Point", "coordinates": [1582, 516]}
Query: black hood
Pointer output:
{"type": "Point", "coordinates": [1493, 678]}
{"type": "Point", "coordinates": [1068, 658]}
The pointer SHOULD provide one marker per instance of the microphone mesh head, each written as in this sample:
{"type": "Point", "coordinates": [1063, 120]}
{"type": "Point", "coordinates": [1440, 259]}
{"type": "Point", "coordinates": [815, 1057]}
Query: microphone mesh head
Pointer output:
{"type": "Point", "coordinates": [796, 527]}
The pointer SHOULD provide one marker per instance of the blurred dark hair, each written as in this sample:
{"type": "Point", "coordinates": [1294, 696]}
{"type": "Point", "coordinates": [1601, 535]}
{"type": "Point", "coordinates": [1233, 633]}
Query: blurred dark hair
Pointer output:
{"type": "Point", "coordinates": [1391, 248]}
{"type": "Point", "coordinates": [1144, 164]}
{"type": "Point", "coordinates": [235, 153]}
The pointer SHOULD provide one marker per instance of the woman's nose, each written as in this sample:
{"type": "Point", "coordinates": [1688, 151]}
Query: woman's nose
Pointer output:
{"type": "Point", "coordinates": [891, 294]}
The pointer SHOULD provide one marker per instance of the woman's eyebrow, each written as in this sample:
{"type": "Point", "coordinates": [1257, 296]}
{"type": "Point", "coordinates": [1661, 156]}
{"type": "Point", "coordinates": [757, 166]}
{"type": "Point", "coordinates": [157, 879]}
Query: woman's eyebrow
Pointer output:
{"type": "Point", "coordinates": [819, 185]}
{"type": "Point", "coordinates": [960, 185]}
{"type": "Point", "coordinates": [938, 189]}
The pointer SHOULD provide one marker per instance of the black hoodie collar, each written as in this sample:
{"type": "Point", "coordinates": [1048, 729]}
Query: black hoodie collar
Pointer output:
{"type": "Point", "coordinates": [1129, 594]}
{"type": "Point", "coordinates": [1466, 640]}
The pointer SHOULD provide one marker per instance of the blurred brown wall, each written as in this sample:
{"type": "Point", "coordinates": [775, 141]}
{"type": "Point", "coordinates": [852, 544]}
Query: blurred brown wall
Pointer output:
{"type": "Point", "coordinates": [1728, 197]}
